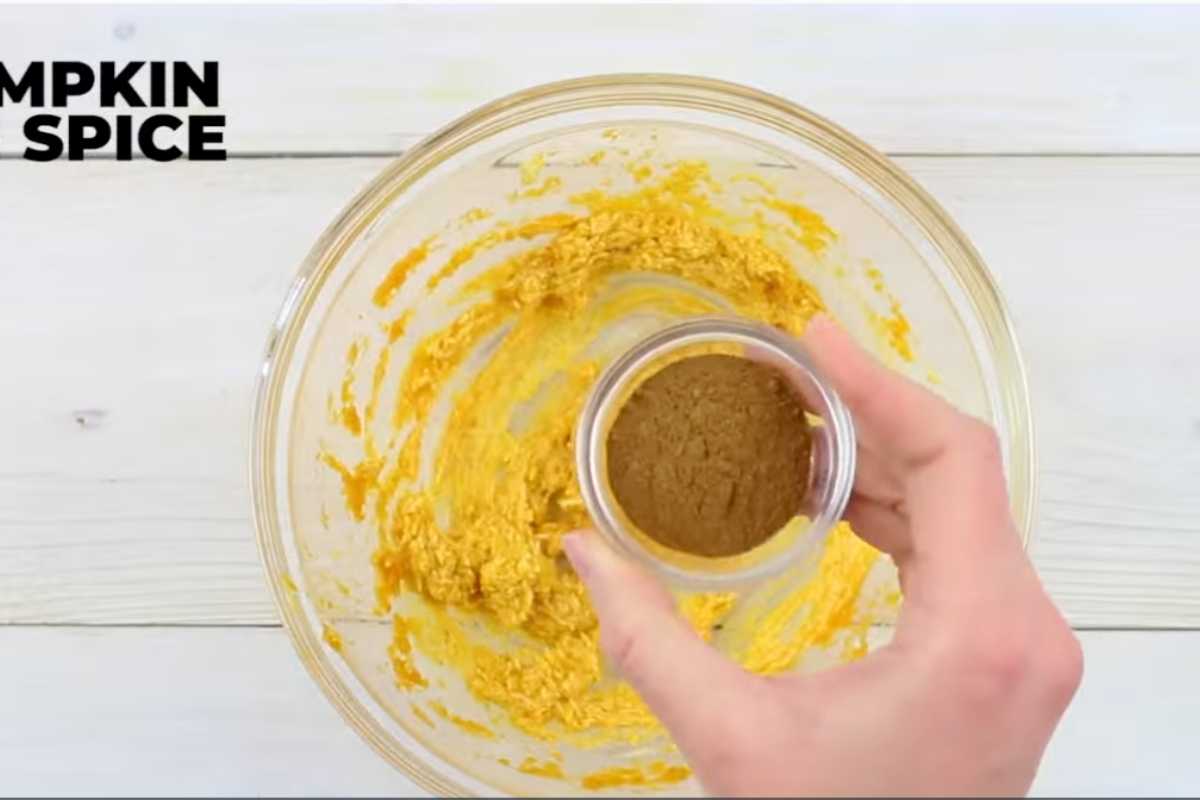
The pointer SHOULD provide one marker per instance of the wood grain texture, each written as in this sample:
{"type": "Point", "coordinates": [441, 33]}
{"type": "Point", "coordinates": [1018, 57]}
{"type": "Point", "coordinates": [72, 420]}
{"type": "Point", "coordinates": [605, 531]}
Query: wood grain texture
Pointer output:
{"type": "Point", "coordinates": [145, 293]}
{"type": "Point", "coordinates": [916, 80]}
{"type": "Point", "coordinates": [209, 712]}
{"type": "Point", "coordinates": [136, 301]}
{"type": "Point", "coordinates": [1093, 258]}
{"type": "Point", "coordinates": [200, 712]}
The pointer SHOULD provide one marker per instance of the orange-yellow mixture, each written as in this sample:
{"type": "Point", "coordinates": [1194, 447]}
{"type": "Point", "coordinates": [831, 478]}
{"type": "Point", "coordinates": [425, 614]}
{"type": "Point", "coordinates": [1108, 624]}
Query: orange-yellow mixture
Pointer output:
{"type": "Point", "coordinates": [471, 503]}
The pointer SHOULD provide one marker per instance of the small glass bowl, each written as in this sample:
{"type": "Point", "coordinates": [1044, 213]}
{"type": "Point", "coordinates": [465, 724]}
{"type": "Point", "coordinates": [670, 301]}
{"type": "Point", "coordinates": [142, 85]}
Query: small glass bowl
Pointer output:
{"type": "Point", "coordinates": [831, 472]}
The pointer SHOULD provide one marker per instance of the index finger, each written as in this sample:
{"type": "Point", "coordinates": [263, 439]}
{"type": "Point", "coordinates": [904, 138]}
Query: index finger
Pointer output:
{"type": "Point", "coordinates": [910, 424]}
{"type": "Point", "coordinates": [948, 464]}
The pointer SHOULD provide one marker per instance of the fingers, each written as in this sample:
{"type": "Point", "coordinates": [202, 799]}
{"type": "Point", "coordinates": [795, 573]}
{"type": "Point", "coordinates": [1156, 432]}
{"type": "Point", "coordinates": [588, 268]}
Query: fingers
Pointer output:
{"type": "Point", "coordinates": [878, 478]}
{"type": "Point", "coordinates": [882, 525]}
{"type": "Point", "coordinates": [689, 685]}
{"type": "Point", "coordinates": [946, 466]}
{"type": "Point", "coordinates": [891, 414]}
{"type": "Point", "coordinates": [911, 439]}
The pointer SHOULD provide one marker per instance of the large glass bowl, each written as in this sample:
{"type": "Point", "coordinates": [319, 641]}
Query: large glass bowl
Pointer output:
{"type": "Point", "coordinates": [963, 339]}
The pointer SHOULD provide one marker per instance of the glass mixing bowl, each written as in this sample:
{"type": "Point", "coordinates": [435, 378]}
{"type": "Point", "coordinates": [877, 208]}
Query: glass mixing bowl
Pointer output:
{"type": "Point", "coordinates": [320, 568]}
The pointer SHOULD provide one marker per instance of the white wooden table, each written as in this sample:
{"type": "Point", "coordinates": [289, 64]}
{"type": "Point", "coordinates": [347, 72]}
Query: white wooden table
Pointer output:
{"type": "Point", "coordinates": [139, 650]}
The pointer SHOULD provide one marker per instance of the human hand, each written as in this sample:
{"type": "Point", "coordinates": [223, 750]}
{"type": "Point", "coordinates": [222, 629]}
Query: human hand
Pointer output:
{"type": "Point", "coordinates": [964, 698]}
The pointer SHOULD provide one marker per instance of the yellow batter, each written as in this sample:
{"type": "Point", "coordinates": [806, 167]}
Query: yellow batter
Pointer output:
{"type": "Point", "coordinates": [477, 530]}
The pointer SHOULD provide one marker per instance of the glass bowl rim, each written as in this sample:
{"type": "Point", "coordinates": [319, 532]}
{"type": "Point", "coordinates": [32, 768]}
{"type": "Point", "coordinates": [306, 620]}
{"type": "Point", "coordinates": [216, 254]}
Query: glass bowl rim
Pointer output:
{"type": "Point", "coordinates": [595, 92]}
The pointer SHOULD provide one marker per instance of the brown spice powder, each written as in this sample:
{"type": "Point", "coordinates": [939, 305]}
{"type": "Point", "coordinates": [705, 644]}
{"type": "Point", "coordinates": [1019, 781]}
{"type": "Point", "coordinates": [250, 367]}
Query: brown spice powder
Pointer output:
{"type": "Point", "coordinates": [710, 456]}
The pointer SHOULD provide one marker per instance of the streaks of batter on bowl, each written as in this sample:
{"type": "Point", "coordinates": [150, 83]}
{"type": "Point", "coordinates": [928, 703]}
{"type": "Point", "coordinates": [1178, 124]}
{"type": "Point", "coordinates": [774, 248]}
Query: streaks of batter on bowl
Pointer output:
{"type": "Point", "coordinates": [332, 637]}
{"type": "Point", "coordinates": [400, 270]}
{"type": "Point", "coordinates": [470, 522]}
{"type": "Point", "coordinates": [400, 654]}
{"type": "Point", "coordinates": [357, 481]}
{"type": "Point", "coordinates": [467, 725]}
{"type": "Point", "coordinates": [551, 184]}
{"type": "Point", "coordinates": [548, 768]}
{"type": "Point", "coordinates": [894, 327]}
{"type": "Point", "coordinates": [656, 774]}
{"type": "Point", "coordinates": [346, 410]}
{"type": "Point", "coordinates": [420, 714]}
{"type": "Point", "coordinates": [532, 167]}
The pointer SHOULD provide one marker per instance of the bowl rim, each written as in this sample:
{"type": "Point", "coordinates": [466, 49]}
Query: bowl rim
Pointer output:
{"type": "Point", "coordinates": [596, 91]}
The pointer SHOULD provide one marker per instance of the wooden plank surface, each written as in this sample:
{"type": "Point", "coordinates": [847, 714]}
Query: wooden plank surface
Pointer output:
{"type": "Point", "coordinates": [916, 80]}
{"type": "Point", "coordinates": [226, 711]}
{"type": "Point", "coordinates": [174, 712]}
{"type": "Point", "coordinates": [136, 300]}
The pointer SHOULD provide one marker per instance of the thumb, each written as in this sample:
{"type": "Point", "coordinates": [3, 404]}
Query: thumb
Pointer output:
{"type": "Point", "coordinates": [688, 685]}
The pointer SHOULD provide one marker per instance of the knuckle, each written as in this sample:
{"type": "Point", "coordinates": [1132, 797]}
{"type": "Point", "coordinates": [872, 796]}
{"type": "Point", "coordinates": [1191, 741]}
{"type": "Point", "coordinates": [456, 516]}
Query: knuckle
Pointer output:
{"type": "Point", "coordinates": [861, 396]}
{"type": "Point", "coordinates": [1062, 670]}
{"type": "Point", "coordinates": [987, 671]}
{"type": "Point", "coordinates": [980, 456]}
{"type": "Point", "coordinates": [624, 646]}
{"type": "Point", "coordinates": [1040, 664]}
{"type": "Point", "coordinates": [1001, 666]}
{"type": "Point", "coordinates": [981, 441]}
